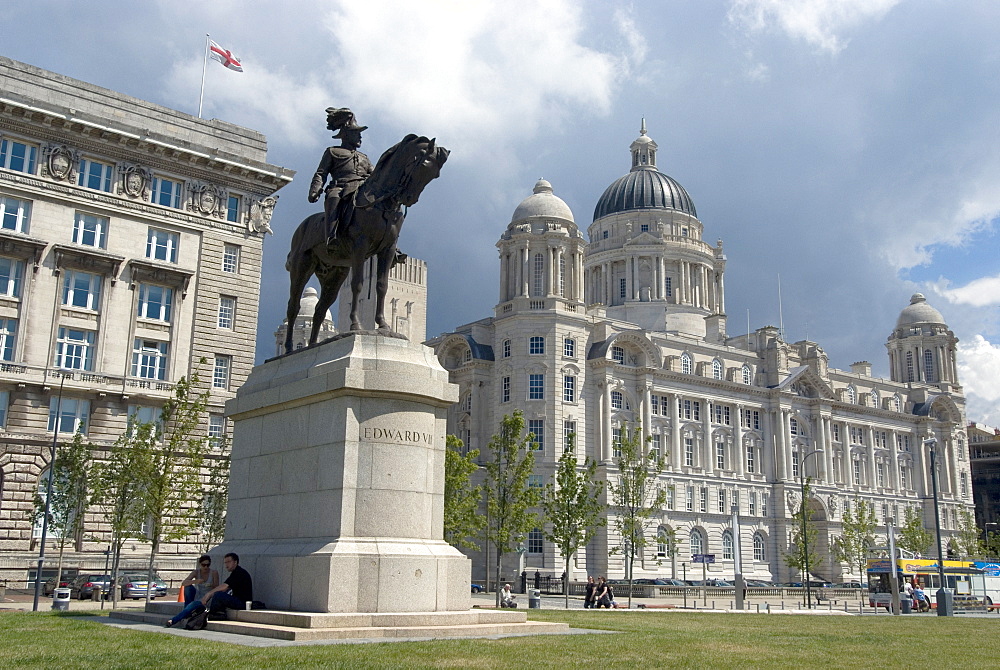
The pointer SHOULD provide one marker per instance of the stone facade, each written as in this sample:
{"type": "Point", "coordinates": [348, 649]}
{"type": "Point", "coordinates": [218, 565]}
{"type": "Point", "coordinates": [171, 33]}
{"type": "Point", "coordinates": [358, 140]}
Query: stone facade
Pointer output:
{"type": "Point", "coordinates": [630, 328]}
{"type": "Point", "coordinates": [131, 247]}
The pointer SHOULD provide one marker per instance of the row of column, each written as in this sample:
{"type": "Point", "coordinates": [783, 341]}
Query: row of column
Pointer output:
{"type": "Point", "coordinates": [697, 283]}
{"type": "Point", "coordinates": [561, 272]}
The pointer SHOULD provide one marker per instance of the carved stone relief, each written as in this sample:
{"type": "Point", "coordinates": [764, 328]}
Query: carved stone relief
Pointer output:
{"type": "Point", "coordinates": [259, 220]}
{"type": "Point", "coordinates": [136, 181]}
{"type": "Point", "coordinates": [60, 162]}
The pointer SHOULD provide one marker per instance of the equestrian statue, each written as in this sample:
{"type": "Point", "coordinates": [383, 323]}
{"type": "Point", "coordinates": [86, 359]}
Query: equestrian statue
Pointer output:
{"type": "Point", "coordinates": [363, 212]}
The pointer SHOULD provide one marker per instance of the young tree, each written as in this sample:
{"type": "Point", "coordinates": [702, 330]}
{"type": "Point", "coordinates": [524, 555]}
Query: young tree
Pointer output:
{"type": "Point", "coordinates": [912, 536]}
{"type": "Point", "coordinates": [508, 496]}
{"type": "Point", "coordinates": [117, 491]}
{"type": "Point", "coordinates": [572, 507]}
{"type": "Point", "coordinates": [634, 495]}
{"type": "Point", "coordinates": [462, 520]}
{"type": "Point", "coordinates": [858, 536]}
{"type": "Point", "coordinates": [797, 558]}
{"type": "Point", "coordinates": [968, 539]}
{"type": "Point", "coordinates": [69, 495]}
{"type": "Point", "coordinates": [993, 544]}
{"type": "Point", "coordinates": [175, 452]}
{"type": "Point", "coordinates": [211, 522]}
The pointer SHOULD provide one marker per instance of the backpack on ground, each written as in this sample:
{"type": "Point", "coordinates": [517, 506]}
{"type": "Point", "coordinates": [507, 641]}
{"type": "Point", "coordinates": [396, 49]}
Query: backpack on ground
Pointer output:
{"type": "Point", "coordinates": [197, 621]}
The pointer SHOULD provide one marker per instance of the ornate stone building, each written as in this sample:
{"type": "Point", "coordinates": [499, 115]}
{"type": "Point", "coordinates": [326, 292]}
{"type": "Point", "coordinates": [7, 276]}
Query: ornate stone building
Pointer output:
{"type": "Point", "coordinates": [131, 238]}
{"type": "Point", "coordinates": [630, 328]}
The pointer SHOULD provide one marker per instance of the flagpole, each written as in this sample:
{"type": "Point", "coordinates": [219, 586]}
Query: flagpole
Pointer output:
{"type": "Point", "coordinates": [204, 66]}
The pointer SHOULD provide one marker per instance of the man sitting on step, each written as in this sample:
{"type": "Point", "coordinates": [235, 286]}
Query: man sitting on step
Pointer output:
{"type": "Point", "coordinates": [234, 593]}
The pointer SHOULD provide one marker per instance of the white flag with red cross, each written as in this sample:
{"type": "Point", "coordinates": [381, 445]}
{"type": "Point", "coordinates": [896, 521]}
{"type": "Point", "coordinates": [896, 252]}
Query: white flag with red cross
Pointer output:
{"type": "Point", "coordinates": [224, 56]}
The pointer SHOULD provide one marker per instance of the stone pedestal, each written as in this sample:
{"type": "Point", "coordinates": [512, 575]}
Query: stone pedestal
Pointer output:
{"type": "Point", "coordinates": [337, 487]}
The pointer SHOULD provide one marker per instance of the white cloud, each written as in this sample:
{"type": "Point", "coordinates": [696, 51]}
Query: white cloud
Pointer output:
{"type": "Point", "coordinates": [981, 292]}
{"type": "Point", "coordinates": [817, 22]}
{"type": "Point", "coordinates": [471, 73]}
{"type": "Point", "coordinates": [627, 27]}
{"type": "Point", "coordinates": [979, 370]}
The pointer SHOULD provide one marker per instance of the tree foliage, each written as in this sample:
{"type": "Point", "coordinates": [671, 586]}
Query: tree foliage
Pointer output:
{"type": "Point", "coordinates": [211, 512]}
{"type": "Point", "coordinates": [634, 494]}
{"type": "Point", "coordinates": [174, 453]}
{"type": "Point", "coordinates": [68, 502]}
{"type": "Point", "coordinates": [572, 507]}
{"type": "Point", "coordinates": [858, 536]}
{"type": "Point", "coordinates": [912, 536]}
{"type": "Point", "coordinates": [462, 520]}
{"type": "Point", "coordinates": [509, 499]}
{"type": "Point", "coordinates": [968, 538]}
{"type": "Point", "coordinates": [797, 557]}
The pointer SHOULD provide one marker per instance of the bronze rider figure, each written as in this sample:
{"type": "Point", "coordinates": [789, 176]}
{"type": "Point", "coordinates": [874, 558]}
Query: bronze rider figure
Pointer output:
{"type": "Point", "coordinates": [346, 167]}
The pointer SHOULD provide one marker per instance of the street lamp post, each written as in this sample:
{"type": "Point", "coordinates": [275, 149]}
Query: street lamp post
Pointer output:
{"type": "Point", "coordinates": [48, 494]}
{"type": "Point", "coordinates": [943, 595]}
{"type": "Point", "coordinates": [805, 535]}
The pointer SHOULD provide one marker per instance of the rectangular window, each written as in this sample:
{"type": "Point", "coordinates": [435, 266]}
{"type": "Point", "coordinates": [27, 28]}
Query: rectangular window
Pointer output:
{"type": "Point", "coordinates": [795, 463]}
{"type": "Point", "coordinates": [654, 404]}
{"type": "Point", "coordinates": [15, 214]}
{"type": "Point", "coordinates": [622, 288]}
{"type": "Point", "coordinates": [763, 504]}
{"type": "Point", "coordinates": [720, 414]}
{"type": "Point", "coordinates": [220, 372]}
{"type": "Point", "coordinates": [69, 414]}
{"type": "Point", "coordinates": [569, 388]}
{"type": "Point", "coordinates": [155, 302]}
{"type": "Point", "coordinates": [880, 474]}
{"type": "Point", "coordinates": [689, 451]}
{"type": "Point", "coordinates": [505, 389]}
{"type": "Point", "coordinates": [965, 484]}
{"type": "Point", "coordinates": [569, 434]}
{"type": "Point", "coordinates": [90, 230]}
{"type": "Point", "coordinates": [167, 192]}
{"type": "Point", "coordinates": [227, 312]}
{"type": "Point", "coordinates": [94, 175]}
{"type": "Point", "coordinates": [536, 386]}
{"type": "Point", "coordinates": [537, 426]}
{"type": "Point", "coordinates": [736, 500]}
{"type": "Point", "coordinates": [8, 338]}
{"type": "Point", "coordinates": [904, 482]}
{"type": "Point", "coordinates": [17, 156]}
{"type": "Point", "coordinates": [753, 503]}
{"type": "Point", "coordinates": [11, 272]}
{"type": "Point", "coordinates": [81, 289]}
{"type": "Point", "coordinates": [689, 502]}
{"type": "Point", "coordinates": [149, 359]}
{"type": "Point", "coordinates": [720, 455]}
{"type": "Point", "coordinates": [656, 445]}
{"type": "Point", "coordinates": [751, 459]}
{"type": "Point", "coordinates": [668, 287]}
{"type": "Point", "coordinates": [536, 345]}
{"type": "Point", "coordinates": [835, 429]}
{"type": "Point", "coordinates": [722, 501]}
{"type": "Point", "coordinates": [535, 542]}
{"type": "Point", "coordinates": [703, 500]}
{"type": "Point", "coordinates": [216, 429]}
{"type": "Point", "coordinates": [4, 402]}
{"type": "Point", "coordinates": [162, 245]}
{"type": "Point", "coordinates": [75, 349]}
{"type": "Point", "coordinates": [536, 482]}
{"type": "Point", "coordinates": [230, 258]}
{"type": "Point", "coordinates": [569, 347]}
{"type": "Point", "coordinates": [233, 208]}
{"type": "Point", "coordinates": [616, 442]}
{"type": "Point", "coordinates": [144, 414]}
{"type": "Point", "coordinates": [857, 472]}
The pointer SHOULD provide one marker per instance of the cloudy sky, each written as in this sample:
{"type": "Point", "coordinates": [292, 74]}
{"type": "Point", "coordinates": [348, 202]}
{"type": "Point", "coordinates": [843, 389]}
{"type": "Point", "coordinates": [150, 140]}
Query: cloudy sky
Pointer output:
{"type": "Point", "coordinates": [848, 146]}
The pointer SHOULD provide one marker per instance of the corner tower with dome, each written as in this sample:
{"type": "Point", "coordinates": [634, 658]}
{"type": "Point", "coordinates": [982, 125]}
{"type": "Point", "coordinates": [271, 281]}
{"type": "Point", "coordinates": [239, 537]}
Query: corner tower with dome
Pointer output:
{"type": "Point", "coordinates": [629, 328]}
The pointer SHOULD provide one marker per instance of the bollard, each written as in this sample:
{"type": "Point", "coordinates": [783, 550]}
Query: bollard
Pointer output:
{"type": "Point", "coordinates": [845, 607]}
{"type": "Point", "coordinates": [758, 608]}
{"type": "Point", "coordinates": [95, 594]}
{"type": "Point", "coordinates": [829, 605]}
{"type": "Point", "coordinates": [782, 604]}
{"type": "Point", "coordinates": [534, 599]}
{"type": "Point", "coordinates": [713, 604]}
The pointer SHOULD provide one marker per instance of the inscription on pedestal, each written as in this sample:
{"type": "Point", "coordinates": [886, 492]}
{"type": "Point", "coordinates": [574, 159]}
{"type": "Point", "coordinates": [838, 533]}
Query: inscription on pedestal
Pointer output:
{"type": "Point", "coordinates": [370, 434]}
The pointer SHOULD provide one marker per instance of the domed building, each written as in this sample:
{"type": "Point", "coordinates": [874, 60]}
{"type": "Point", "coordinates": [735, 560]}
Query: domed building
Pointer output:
{"type": "Point", "coordinates": [629, 328]}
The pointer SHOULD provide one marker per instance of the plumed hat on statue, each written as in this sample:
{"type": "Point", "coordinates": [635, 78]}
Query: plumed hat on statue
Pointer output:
{"type": "Point", "coordinates": [341, 119]}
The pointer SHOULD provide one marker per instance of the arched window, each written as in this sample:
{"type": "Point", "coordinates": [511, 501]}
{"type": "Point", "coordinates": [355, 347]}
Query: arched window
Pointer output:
{"type": "Point", "coordinates": [873, 396]}
{"type": "Point", "coordinates": [616, 400]}
{"type": "Point", "coordinates": [929, 366]}
{"type": "Point", "coordinates": [909, 366]}
{"type": "Point", "coordinates": [539, 287]}
{"type": "Point", "coordinates": [727, 545]}
{"type": "Point", "coordinates": [758, 548]}
{"type": "Point", "coordinates": [696, 542]}
{"type": "Point", "coordinates": [562, 275]}
{"type": "Point", "coordinates": [662, 542]}
{"type": "Point", "coordinates": [687, 364]}
{"type": "Point", "coordinates": [716, 369]}
{"type": "Point", "coordinates": [897, 405]}
{"type": "Point", "coordinates": [747, 376]}
{"type": "Point", "coordinates": [506, 348]}
{"type": "Point", "coordinates": [852, 395]}
{"type": "Point", "coordinates": [618, 355]}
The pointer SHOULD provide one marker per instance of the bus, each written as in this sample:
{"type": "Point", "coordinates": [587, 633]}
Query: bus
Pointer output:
{"type": "Point", "coordinates": [987, 584]}
{"type": "Point", "coordinates": [965, 578]}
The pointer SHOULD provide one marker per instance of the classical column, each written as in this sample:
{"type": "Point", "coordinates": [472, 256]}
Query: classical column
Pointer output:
{"type": "Point", "coordinates": [740, 451]}
{"type": "Point", "coordinates": [606, 415]}
{"type": "Point", "coordinates": [820, 443]}
{"type": "Point", "coordinates": [675, 433]}
{"type": "Point", "coordinates": [870, 455]}
{"type": "Point", "coordinates": [781, 442]}
{"type": "Point", "coordinates": [504, 279]}
{"type": "Point", "coordinates": [525, 270]}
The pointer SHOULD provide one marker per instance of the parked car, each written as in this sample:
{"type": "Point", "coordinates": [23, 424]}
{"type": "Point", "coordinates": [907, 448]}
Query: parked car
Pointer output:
{"type": "Point", "coordinates": [83, 586]}
{"type": "Point", "coordinates": [477, 588]}
{"type": "Point", "coordinates": [651, 582]}
{"type": "Point", "coordinates": [759, 584]}
{"type": "Point", "coordinates": [134, 585]}
{"type": "Point", "coordinates": [820, 585]}
{"type": "Point", "coordinates": [49, 587]}
{"type": "Point", "coordinates": [674, 582]}
{"type": "Point", "coordinates": [852, 585]}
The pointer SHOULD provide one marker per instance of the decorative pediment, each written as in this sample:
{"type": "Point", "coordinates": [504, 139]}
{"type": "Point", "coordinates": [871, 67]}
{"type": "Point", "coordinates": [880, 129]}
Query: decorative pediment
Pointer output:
{"type": "Point", "coordinates": [21, 246]}
{"type": "Point", "coordinates": [154, 273]}
{"type": "Point", "coordinates": [803, 381]}
{"type": "Point", "coordinates": [643, 239]}
{"type": "Point", "coordinates": [87, 259]}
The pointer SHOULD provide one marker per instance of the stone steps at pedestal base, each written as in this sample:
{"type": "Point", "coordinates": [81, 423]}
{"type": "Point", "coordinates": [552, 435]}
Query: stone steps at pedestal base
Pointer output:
{"type": "Point", "coordinates": [306, 626]}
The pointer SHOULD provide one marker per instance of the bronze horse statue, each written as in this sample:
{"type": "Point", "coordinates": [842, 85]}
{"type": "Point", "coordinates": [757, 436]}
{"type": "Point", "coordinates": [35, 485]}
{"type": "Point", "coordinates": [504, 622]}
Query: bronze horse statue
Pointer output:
{"type": "Point", "coordinates": [370, 221]}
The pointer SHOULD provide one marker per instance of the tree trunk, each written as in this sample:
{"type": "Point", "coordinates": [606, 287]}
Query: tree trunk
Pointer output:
{"type": "Point", "coordinates": [631, 561]}
{"type": "Point", "coordinates": [566, 584]}
{"type": "Point", "coordinates": [115, 586]}
{"type": "Point", "coordinates": [153, 550]}
{"type": "Point", "coordinates": [499, 560]}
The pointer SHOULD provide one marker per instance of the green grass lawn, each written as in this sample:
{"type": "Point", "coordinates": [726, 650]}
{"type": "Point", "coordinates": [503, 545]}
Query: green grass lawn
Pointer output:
{"type": "Point", "coordinates": [645, 639]}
